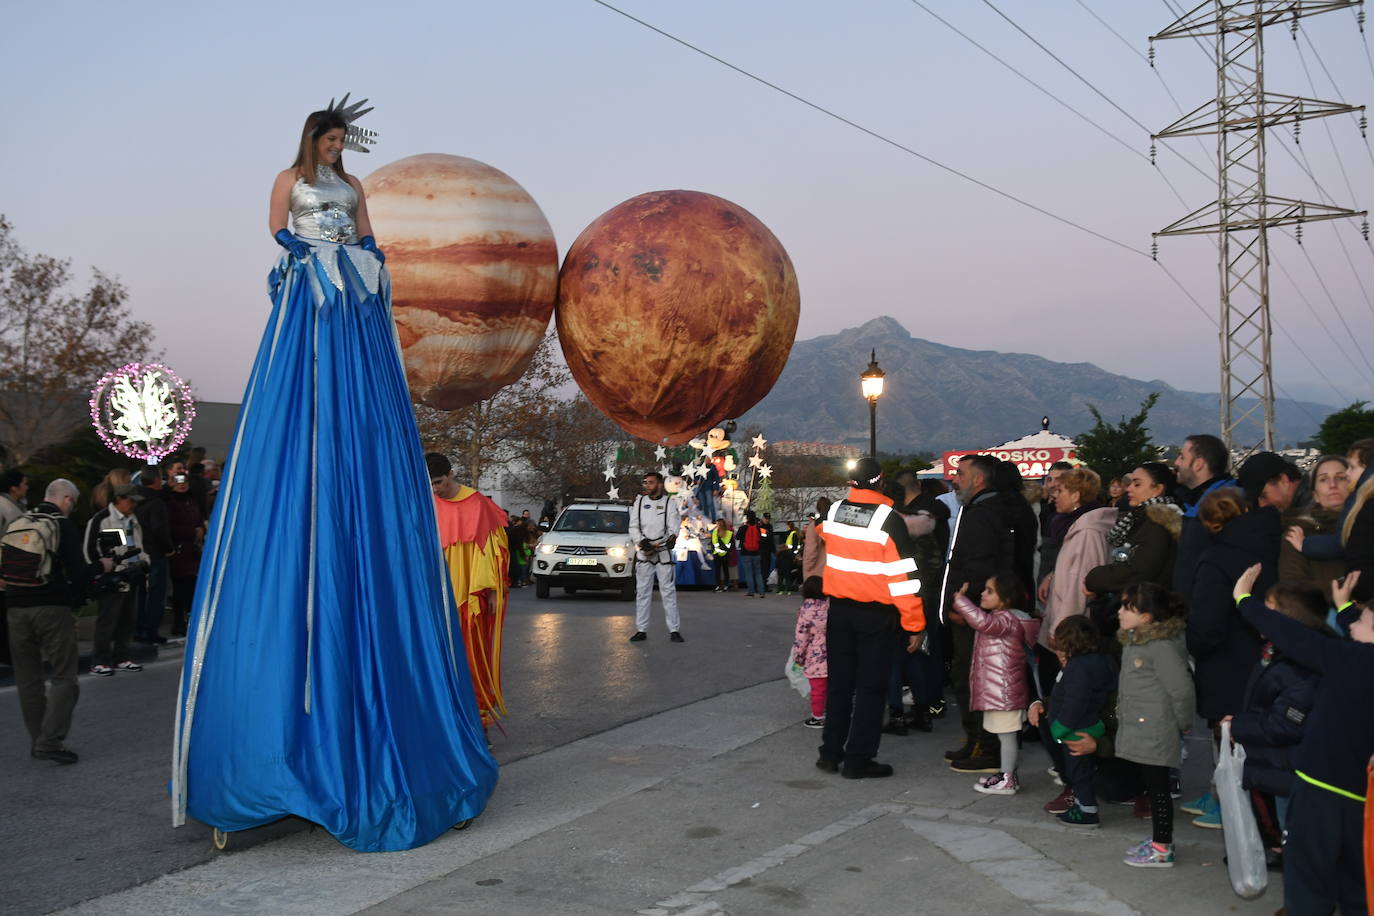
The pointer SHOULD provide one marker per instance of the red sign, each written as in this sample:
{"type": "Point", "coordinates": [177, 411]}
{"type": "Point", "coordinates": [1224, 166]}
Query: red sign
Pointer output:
{"type": "Point", "coordinates": [1031, 462]}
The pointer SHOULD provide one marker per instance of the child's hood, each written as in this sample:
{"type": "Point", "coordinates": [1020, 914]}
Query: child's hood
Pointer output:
{"type": "Point", "coordinates": [1149, 632]}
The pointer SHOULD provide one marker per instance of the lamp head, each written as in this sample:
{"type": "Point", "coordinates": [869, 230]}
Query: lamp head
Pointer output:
{"type": "Point", "coordinates": [871, 382]}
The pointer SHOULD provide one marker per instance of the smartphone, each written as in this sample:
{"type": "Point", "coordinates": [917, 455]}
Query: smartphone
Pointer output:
{"type": "Point", "coordinates": [180, 478]}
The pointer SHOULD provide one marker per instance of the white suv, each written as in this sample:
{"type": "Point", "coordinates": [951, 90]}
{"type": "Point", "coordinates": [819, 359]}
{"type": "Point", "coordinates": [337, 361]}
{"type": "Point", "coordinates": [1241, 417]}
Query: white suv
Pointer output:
{"type": "Point", "coordinates": [587, 547]}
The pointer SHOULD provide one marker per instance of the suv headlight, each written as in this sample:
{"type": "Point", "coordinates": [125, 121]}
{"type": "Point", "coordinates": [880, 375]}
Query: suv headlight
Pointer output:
{"type": "Point", "coordinates": [547, 548]}
{"type": "Point", "coordinates": [620, 551]}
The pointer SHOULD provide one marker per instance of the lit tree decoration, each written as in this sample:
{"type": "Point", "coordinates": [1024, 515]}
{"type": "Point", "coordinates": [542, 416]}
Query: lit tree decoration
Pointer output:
{"type": "Point", "coordinates": [143, 411]}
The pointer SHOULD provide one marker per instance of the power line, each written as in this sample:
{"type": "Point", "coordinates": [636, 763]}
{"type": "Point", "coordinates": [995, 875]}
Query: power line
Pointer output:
{"type": "Point", "coordinates": [875, 135]}
{"type": "Point", "coordinates": [953, 28]}
{"type": "Point", "coordinates": [1084, 80]}
{"type": "Point", "coordinates": [931, 161]}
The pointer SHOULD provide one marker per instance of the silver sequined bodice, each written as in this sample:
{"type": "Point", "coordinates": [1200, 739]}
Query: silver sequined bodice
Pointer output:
{"type": "Point", "coordinates": [325, 209]}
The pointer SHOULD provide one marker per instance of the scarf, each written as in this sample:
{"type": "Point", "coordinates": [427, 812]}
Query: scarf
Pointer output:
{"type": "Point", "coordinates": [1127, 522]}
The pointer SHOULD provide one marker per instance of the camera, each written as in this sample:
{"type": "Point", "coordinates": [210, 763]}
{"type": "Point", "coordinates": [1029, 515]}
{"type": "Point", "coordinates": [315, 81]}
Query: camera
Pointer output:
{"type": "Point", "coordinates": [179, 478]}
{"type": "Point", "coordinates": [113, 544]}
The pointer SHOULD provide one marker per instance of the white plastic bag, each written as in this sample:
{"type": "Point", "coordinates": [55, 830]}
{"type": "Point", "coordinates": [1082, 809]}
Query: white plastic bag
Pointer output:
{"type": "Point", "coordinates": [1244, 849]}
{"type": "Point", "coordinates": [796, 676]}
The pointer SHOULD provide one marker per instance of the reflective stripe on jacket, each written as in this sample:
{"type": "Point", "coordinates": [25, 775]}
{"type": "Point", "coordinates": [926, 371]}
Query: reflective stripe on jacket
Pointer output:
{"type": "Point", "coordinates": [869, 556]}
{"type": "Point", "coordinates": [721, 546]}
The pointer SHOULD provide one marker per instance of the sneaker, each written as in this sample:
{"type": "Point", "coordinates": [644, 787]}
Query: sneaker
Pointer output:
{"type": "Point", "coordinates": [1060, 803]}
{"type": "Point", "coordinates": [1054, 776]}
{"type": "Point", "coordinates": [815, 722]}
{"type": "Point", "coordinates": [102, 671]}
{"type": "Point", "coordinates": [1208, 802]}
{"type": "Point", "coordinates": [1077, 817]}
{"type": "Point", "coordinates": [937, 709]}
{"type": "Point", "coordinates": [640, 636]}
{"type": "Point", "coordinates": [62, 755]}
{"type": "Point", "coordinates": [127, 665]}
{"type": "Point", "coordinates": [1150, 855]}
{"type": "Point", "coordinates": [1210, 821]}
{"type": "Point", "coordinates": [997, 784]}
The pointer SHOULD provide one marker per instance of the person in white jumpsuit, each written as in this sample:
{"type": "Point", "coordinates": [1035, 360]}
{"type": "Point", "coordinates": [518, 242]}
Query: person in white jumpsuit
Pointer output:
{"type": "Point", "coordinates": [654, 523]}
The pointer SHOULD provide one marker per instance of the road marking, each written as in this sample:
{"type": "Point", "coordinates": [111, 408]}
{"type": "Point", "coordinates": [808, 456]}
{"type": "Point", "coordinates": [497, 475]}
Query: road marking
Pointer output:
{"type": "Point", "coordinates": [973, 840]}
{"type": "Point", "coordinates": [697, 898]}
{"type": "Point", "coordinates": [1018, 868]}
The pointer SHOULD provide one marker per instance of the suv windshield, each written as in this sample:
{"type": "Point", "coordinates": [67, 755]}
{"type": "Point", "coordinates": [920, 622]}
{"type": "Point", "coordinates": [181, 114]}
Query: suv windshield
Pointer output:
{"type": "Point", "coordinates": [593, 520]}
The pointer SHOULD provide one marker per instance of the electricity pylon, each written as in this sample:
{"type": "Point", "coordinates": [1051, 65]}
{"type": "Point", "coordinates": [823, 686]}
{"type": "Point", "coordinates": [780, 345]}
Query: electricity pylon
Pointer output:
{"type": "Point", "coordinates": [1244, 211]}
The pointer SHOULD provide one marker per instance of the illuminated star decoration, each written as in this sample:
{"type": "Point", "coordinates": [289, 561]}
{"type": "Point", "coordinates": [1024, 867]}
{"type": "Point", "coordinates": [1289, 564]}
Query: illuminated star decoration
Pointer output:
{"type": "Point", "coordinates": [707, 452]}
{"type": "Point", "coordinates": [142, 411]}
{"type": "Point", "coordinates": [760, 442]}
{"type": "Point", "coordinates": [755, 461]}
{"type": "Point", "coordinates": [766, 471]}
{"type": "Point", "coordinates": [613, 492]}
{"type": "Point", "coordinates": [608, 471]}
{"type": "Point", "coordinates": [660, 453]}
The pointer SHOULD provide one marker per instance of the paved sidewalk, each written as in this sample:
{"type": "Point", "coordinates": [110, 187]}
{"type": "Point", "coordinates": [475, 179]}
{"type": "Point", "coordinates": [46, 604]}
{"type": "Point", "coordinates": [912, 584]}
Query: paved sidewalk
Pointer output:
{"type": "Point", "coordinates": [716, 807]}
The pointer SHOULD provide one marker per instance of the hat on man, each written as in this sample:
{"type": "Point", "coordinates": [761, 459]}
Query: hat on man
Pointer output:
{"type": "Point", "coordinates": [1262, 467]}
{"type": "Point", "coordinates": [127, 491]}
{"type": "Point", "coordinates": [867, 473]}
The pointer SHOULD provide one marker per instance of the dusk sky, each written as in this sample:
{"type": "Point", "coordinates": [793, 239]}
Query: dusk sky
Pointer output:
{"type": "Point", "coordinates": [143, 138]}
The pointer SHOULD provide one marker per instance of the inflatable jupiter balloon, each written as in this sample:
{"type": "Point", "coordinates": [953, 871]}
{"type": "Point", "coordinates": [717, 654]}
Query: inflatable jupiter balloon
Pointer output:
{"type": "Point", "coordinates": [676, 309]}
{"type": "Point", "coordinates": [474, 273]}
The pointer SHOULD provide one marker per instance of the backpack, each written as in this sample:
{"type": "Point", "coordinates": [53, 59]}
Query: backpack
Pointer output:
{"type": "Point", "coordinates": [27, 549]}
{"type": "Point", "coordinates": [751, 537]}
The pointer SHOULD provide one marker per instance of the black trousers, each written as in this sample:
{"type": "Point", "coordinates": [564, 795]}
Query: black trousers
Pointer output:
{"type": "Point", "coordinates": [860, 639]}
{"type": "Point", "coordinates": [1323, 857]}
{"type": "Point", "coordinates": [722, 565]}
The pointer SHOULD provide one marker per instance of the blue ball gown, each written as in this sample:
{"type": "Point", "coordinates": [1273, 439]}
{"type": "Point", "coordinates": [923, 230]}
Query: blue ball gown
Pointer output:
{"type": "Point", "coordinates": [324, 674]}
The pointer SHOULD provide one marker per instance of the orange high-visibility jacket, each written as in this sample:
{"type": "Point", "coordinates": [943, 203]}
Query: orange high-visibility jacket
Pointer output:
{"type": "Point", "coordinates": [870, 557]}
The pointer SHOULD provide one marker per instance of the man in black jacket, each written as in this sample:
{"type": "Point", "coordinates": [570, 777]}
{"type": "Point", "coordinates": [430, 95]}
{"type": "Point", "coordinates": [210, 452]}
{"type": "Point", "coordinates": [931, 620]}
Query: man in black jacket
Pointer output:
{"type": "Point", "coordinates": [1201, 466]}
{"type": "Point", "coordinates": [982, 547]}
{"type": "Point", "coordinates": [42, 629]}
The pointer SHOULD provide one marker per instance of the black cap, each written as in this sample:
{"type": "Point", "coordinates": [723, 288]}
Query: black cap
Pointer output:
{"type": "Point", "coordinates": [867, 474]}
{"type": "Point", "coordinates": [1262, 467]}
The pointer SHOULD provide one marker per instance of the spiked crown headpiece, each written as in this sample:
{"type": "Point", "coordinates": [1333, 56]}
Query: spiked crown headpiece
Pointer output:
{"type": "Point", "coordinates": [354, 136]}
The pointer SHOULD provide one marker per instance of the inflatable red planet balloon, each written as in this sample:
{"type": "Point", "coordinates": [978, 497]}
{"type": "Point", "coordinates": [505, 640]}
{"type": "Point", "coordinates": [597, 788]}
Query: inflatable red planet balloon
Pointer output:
{"type": "Point", "coordinates": [676, 309]}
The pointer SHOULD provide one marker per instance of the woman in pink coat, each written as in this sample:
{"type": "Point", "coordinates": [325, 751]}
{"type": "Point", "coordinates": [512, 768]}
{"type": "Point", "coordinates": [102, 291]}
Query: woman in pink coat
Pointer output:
{"type": "Point", "coordinates": [1084, 549]}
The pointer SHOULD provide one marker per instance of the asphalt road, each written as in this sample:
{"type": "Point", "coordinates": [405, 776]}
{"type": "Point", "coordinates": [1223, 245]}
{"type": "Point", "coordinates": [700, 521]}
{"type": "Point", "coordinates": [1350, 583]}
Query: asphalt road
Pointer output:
{"type": "Point", "coordinates": [72, 833]}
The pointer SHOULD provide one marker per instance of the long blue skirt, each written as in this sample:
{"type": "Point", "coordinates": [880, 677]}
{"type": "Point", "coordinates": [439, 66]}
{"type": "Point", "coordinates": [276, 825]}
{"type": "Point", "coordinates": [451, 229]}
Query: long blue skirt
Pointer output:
{"type": "Point", "coordinates": [325, 675]}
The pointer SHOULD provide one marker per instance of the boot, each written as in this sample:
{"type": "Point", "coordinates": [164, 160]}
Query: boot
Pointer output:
{"type": "Point", "coordinates": [962, 750]}
{"type": "Point", "coordinates": [981, 759]}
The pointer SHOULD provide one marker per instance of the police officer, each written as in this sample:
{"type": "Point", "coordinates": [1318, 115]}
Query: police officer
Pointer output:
{"type": "Point", "coordinates": [874, 588]}
{"type": "Point", "coordinates": [654, 523]}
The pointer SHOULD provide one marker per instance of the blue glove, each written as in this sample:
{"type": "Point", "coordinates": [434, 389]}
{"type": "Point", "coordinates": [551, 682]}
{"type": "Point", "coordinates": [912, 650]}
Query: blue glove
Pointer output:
{"type": "Point", "coordinates": [298, 249]}
{"type": "Point", "coordinates": [368, 243]}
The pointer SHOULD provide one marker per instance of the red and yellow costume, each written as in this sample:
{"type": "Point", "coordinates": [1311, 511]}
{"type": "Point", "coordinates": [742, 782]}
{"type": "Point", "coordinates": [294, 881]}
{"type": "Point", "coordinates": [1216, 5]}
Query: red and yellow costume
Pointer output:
{"type": "Point", "coordinates": [472, 534]}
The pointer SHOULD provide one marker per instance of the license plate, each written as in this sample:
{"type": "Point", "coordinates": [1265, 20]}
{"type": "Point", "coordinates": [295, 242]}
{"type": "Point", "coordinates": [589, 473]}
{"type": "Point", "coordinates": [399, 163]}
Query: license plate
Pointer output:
{"type": "Point", "coordinates": [582, 561]}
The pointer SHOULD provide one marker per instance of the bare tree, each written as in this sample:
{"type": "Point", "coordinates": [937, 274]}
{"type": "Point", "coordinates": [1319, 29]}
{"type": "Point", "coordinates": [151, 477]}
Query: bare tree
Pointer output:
{"type": "Point", "coordinates": [54, 345]}
{"type": "Point", "coordinates": [499, 427]}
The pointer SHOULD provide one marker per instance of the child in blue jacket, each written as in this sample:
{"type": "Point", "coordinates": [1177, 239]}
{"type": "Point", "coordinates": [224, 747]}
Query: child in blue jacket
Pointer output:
{"type": "Point", "coordinates": [1323, 860]}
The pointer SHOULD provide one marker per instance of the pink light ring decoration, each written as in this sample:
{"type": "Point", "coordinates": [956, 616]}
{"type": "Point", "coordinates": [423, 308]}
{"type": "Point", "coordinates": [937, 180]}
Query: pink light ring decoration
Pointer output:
{"type": "Point", "coordinates": [143, 411]}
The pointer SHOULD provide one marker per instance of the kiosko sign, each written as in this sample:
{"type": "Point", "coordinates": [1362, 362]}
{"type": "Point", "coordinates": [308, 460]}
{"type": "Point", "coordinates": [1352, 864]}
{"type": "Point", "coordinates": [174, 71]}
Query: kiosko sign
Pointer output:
{"type": "Point", "coordinates": [1031, 462]}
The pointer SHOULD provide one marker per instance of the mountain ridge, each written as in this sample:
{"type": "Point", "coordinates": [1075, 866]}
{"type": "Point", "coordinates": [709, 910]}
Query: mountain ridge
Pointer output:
{"type": "Point", "coordinates": [940, 398]}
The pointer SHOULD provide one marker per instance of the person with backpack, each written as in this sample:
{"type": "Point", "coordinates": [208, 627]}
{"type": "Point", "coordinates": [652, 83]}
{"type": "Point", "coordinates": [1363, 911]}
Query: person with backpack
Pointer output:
{"type": "Point", "coordinates": [750, 555]}
{"type": "Point", "coordinates": [45, 575]}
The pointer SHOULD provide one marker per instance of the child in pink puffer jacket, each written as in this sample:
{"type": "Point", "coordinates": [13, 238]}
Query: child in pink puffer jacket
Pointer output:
{"type": "Point", "coordinates": [808, 648]}
{"type": "Point", "coordinates": [998, 677]}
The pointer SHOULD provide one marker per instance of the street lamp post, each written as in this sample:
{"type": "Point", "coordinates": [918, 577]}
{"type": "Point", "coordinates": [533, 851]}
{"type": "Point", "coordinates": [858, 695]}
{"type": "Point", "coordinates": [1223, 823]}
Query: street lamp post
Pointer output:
{"type": "Point", "coordinates": [871, 382]}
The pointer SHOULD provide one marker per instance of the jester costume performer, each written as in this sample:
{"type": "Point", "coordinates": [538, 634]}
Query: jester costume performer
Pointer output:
{"type": "Point", "coordinates": [325, 675]}
{"type": "Point", "coordinates": [473, 536]}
